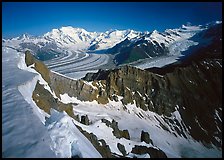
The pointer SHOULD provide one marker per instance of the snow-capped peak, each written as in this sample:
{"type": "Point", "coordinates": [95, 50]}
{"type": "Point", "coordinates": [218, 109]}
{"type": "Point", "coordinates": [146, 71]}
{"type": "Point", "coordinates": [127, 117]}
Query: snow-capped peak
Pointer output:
{"type": "Point", "coordinates": [75, 38]}
{"type": "Point", "coordinates": [24, 36]}
{"type": "Point", "coordinates": [218, 22]}
{"type": "Point", "coordinates": [70, 30]}
{"type": "Point", "coordinates": [155, 32]}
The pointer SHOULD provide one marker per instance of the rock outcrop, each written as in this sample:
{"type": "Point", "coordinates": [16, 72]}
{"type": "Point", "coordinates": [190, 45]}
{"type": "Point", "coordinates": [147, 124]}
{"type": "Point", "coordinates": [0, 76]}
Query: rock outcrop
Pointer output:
{"type": "Point", "coordinates": [154, 153]}
{"type": "Point", "coordinates": [145, 137]}
{"type": "Point", "coordinates": [190, 88]}
{"type": "Point", "coordinates": [116, 131]}
{"type": "Point", "coordinates": [121, 148]}
{"type": "Point", "coordinates": [38, 66]}
{"type": "Point", "coordinates": [45, 101]}
{"type": "Point", "coordinates": [99, 144]}
{"type": "Point", "coordinates": [85, 120]}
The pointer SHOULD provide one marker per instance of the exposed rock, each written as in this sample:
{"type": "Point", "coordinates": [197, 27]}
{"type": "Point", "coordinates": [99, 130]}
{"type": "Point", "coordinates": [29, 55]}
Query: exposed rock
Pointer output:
{"type": "Point", "coordinates": [120, 82]}
{"type": "Point", "coordinates": [154, 153]}
{"type": "Point", "coordinates": [45, 101]}
{"type": "Point", "coordinates": [85, 120]}
{"type": "Point", "coordinates": [161, 90]}
{"type": "Point", "coordinates": [125, 134]}
{"type": "Point", "coordinates": [104, 149]}
{"type": "Point", "coordinates": [38, 66]}
{"type": "Point", "coordinates": [145, 137]}
{"type": "Point", "coordinates": [108, 123]}
{"type": "Point", "coordinates": [121, 148]}
{"type": "Point", "coordinates": [76, 117]}
{"type": "Point", "coordinates": [77, 88]}
{"type": "Point", "coordinates": [116, 131]}
{"type": "Point", "coordinates": [114, 97]}
{"type": "Point", "coordinates": [100, 145]}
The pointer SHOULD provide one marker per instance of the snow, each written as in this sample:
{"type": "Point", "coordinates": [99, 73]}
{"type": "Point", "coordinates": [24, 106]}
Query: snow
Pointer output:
{"type": "Point", "coordinates": [127, 119]}
{"type": "Point", "coordinates": [156, 62]}
{"type": "Point", "coordinates": [78, 38]}
{"type": "Point", "coordinates": [27, 90]}
{"type": "Point", "coordinates": [177, 47]}
{"type": "Point", "coordinates": [218, 22]}
{"type": "Point", "coordinates": [68, 140]}
{"type": "Point", "coordinates": [217, 115]}
{"type": "Point", "coordinates": [22, 66]}
{"type": "Point", "coordinates": [65, 98]}
{"type": "Point", "coordinates": [131, 155]}
{"type": "Point", "coordinates": [90, 84]}
{"type": "Point", "coordinates": [22, 130]}
{"type": "Point", "coordinates": [77, 65]}
{"type": "Point", "coordinates": [36, 137]}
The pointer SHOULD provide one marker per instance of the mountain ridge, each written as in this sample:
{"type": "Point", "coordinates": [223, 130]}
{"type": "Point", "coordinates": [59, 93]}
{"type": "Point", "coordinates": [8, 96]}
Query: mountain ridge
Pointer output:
{"type": "Point", "coordinates": [173, 84]}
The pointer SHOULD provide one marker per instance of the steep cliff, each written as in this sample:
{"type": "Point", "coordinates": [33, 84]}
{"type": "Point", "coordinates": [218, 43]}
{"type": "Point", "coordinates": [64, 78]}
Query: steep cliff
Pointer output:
{"type": "Point", "coordinates": [194, 90]}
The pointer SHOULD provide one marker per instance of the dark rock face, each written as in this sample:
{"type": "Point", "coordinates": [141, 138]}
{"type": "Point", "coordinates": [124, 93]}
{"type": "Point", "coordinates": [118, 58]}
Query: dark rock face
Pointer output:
{"type": "Point", "coordinates": [85, 120]}
{"type": "Point", "coordinates": [147, 92]}
{"type": "Point", "coordinates": [75, 156]}
{"type": "Point", "coordinates": [145, 137]}
{"type": "Point", "coordinates": [125, 134]}
{"type": "Point", "coordinates": [77, 88]}
{"type": "Point", "coordinates": [199, 85]}
{"type": "Point", "coordinates": [108, 123]}
{"type": "Point", "coordinates": [192, 88]}
{"type": "Point", "coordinates": [154, 153]}
{"type": "Point", "coordinates": [45, 101]}
{"type": "Point", "coordinates": [121, 149]}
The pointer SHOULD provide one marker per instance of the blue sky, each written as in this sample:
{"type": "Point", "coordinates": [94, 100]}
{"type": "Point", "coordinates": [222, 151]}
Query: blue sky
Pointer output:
{"type": "Point", "coordinates": [37, 18]}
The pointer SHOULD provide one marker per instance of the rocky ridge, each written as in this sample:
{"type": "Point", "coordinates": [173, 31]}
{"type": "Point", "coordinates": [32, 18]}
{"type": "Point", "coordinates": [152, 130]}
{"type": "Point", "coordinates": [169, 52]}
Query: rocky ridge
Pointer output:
{"type": "Point", "coordinates": [184, 89]}
{"type": "Point", "coordinates": [80, 89]}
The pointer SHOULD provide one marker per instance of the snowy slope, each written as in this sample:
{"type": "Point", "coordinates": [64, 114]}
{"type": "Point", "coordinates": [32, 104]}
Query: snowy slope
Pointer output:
{"type": "Point", "coordinates": [23, 133]}
{"type": "Point", "coordinates": [26, 133]}
{"type": "Point", "coordinates": [173, 146]}
{"type": "Point", "coordinates": [67, 139]}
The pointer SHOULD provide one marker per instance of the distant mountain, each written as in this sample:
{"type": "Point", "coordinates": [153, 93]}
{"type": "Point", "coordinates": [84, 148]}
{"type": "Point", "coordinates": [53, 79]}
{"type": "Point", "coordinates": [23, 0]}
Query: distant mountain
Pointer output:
{"type": "Point", "coordinates": [155, 44]}
{"type": "Point", "coordinates": [126, 45]}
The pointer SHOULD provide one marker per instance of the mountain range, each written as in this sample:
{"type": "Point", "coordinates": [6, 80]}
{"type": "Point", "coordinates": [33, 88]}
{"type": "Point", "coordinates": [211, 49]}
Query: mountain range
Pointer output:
{"type": "Point", "coordinates": [126, 45]}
